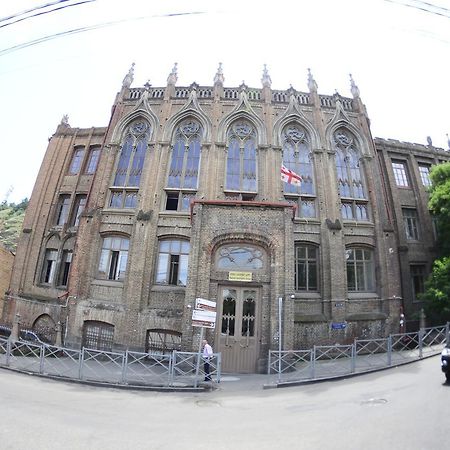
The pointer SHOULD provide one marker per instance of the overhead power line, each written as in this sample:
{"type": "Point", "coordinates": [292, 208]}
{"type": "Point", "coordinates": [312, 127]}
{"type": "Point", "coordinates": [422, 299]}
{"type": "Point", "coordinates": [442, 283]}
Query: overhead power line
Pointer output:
{"type": "Point", "coordinates": [424, 6]}
{"type": "Point", "coordinates": [14, 48]}
{"type": "Point", "coordinates": [20, 19]}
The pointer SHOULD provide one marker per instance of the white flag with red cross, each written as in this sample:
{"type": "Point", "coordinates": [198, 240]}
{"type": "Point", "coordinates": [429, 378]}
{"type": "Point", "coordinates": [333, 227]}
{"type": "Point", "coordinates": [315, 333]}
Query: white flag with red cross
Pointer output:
{"type": "Point", "coordinates": [288, 176]}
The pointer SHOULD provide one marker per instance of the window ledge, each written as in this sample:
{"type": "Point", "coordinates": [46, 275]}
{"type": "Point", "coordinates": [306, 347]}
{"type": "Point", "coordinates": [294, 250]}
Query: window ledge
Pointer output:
{"type": "Point", "coordinates": [358, 223]}
{"type": "Point", "coordinates": [119, 211]}
{"type": "Point", "coordinates": [307, 220]}
{"type": "Point", "coordinates": [110, 283]}
{"type": "Point", "coordinates": [174, 213]}
{"type": "Point", "coordinates": [363, 296]}
{"type": "Point", "coordinates": [305, 295]}
{"type": "Point", "coordinates": [167, 288]}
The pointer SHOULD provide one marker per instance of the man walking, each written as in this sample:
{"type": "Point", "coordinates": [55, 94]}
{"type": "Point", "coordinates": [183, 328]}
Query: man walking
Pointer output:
{"type": "Point", "coordinates": [207, 354]}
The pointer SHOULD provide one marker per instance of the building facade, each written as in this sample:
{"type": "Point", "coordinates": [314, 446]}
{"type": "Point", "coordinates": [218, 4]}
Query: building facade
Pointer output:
{"type": "Point", "coordinates": [180, 197]}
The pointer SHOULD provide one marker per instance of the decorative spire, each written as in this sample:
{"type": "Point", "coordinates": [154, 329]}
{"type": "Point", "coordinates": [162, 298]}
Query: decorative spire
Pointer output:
{"type": "Point", "coordinates": [129, 77]}
{"type": "Point", "coordinates": [65, 120]}
{"type": "Point", "coordinates": [291, 91]}
{"type": "Point", "coordinates": [312, 85]}
{"type": "Point", "coordinates": [448, 141]}
{"type": "Point", "coordinates": [219, 78]}
{"type": "Point", "coordinates": [243, 86]}
{"type": "Point", "coordinates": [354, 89]}
{"type": "Point", "coordinates": [147, 85]}
{"type": "Point", "coordinates": [429, 141]}
{"type": "Point", "coordinates": [173, 77]}
{"type": "Point", "coordinates": [266, 80]}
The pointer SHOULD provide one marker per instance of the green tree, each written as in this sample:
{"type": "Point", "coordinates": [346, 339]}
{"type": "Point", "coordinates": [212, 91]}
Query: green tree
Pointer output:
{"type": "Point", "coordinates": [437, 288]}
{"type": "Point", "coordinates": [11, 219]}
{"type": "Point", "coordinates": [437, 292]}
{"type": "Point", "coordinates": [439, 204]}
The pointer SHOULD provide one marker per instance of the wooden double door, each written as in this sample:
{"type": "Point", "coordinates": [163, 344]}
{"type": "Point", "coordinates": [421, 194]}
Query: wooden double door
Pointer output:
{"type": "Point", "coordinates": [238, 328]}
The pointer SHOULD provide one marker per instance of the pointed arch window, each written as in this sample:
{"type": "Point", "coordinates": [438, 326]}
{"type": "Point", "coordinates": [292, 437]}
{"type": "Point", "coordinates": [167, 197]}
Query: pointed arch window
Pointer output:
{"type": "Point", "coordinates": [241, 167]}
{"type": "Point", "coordinates": [297, 157]}
{"type": "Point", "coordinates": [350, 177]}
{"type": "Point", "coordinates": [127, 176]}
{"type": "Point", "coordinates": [182, 181]}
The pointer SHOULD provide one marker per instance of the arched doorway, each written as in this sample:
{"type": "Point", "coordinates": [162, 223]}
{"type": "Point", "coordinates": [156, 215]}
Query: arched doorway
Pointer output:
{"type": "Point", "coordinates": [45, 328]}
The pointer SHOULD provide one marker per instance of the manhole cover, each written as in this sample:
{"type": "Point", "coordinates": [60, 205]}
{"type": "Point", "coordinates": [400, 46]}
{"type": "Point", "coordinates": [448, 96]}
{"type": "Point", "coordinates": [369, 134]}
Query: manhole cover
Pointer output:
{"type": "Point", "coordinates": [206, 403]}
{"type": "Point", "coordinates": [374, 401]}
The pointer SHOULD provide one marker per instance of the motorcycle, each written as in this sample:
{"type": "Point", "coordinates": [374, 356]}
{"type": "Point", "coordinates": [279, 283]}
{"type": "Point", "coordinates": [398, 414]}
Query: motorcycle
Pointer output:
{"type": "Point", "coordinates": [445, 362]}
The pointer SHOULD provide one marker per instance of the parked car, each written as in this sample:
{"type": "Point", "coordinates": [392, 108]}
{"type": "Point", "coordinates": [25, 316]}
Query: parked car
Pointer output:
{"type": "Point", "coordinates": [445, 362]}
{"type": "Point", "coordinates": [24, 335]}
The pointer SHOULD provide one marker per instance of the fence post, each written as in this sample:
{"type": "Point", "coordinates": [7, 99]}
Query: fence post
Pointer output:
{"type": "Point", "coordinates": [269, 363]}
{"type": "Point", "coordinates": [313, 363]}
{"type": "Point", "coordinates": [8, 351]}
{"type": "Point", "coordinates": [420, 334]}
{"type": "Point", "coordinates": [80, 369]}
{"type": "Point", "coordinates": [124, 367]}
{"type": "Point", "coordinates": [219, 366]}
{"type": "Point", "coordinates": [41, 359]}
{"type": "Point", "coordinates": [173, 360]}
{"type": "Point", "coordinates": [353, 361]}
{"type": "Point", "coordinates": [389, 350]}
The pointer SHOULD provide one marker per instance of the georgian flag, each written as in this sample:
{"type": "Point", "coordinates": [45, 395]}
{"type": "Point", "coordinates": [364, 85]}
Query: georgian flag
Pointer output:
{"type": "Point", "coordinates": [288, 176]}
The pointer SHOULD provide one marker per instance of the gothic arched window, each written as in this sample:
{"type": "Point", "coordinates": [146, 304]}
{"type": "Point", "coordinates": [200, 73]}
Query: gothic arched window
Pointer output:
{"type": "Point", "coordinates": [297, 157]}
{"type": "Point", "coordinates": [241, 159]}
{"type": "Point", "coordinates": [184, 166]}
{"type": "Point", "coordinates": [129, 166]}
{"type": "Point", "coordinates": [354, 205]}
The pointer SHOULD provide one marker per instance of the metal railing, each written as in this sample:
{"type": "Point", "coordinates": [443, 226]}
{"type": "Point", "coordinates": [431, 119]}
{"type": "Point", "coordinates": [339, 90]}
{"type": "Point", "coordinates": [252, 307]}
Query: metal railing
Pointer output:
{"type": "Point", "coordinates": [362, 356]}
{"type": "Point", "coordinates": [175, 370]}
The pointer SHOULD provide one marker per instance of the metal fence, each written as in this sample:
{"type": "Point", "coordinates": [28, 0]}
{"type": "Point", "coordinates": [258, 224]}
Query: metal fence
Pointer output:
{"type": "Point", "coordinates": [361, 356]}
{"type": "Point", "coordinates": [175, 370]}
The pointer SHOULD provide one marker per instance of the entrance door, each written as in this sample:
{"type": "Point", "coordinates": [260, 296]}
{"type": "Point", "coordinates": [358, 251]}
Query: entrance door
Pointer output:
{"type": "Point", "coordinates": [238, 329]}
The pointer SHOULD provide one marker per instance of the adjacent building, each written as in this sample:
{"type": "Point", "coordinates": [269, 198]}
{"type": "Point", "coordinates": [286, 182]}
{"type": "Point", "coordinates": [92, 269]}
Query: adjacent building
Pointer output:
{"type": "Point", "coordinates": [181, 197]}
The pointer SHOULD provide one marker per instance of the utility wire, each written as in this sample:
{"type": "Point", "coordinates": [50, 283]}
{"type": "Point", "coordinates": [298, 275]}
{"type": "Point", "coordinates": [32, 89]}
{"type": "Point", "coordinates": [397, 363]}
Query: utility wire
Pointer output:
{"type": "Point", "coordinates": [46, 12]}
{"type": "Point", "coordinates": [5, 51]}
{"type": "Point", "coordinates": [424, 6]}
{"type": "Point", "coordinates": [3, 19]}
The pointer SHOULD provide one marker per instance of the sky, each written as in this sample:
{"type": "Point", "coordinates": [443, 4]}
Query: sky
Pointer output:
{"type": "Point", "coordinates": [398, 52]}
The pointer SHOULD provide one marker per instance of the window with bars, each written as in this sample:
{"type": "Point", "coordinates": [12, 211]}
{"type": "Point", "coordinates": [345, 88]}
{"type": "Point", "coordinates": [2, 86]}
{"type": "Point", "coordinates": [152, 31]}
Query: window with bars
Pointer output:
{"type": "Point", "coordinates": [80, 204]}
{"type": "Point", "coordinates": [94, 155]}
{"type": "Point", "coordinates": [62, 210]}
{"type": "Point", "coordinates": [350, 176]}
{"type": "Point", "coordinates": [182, 181]}
{"type": "Point", "coordinates": [424, 171]}
{"type": "Point", "coordinates": [241, 165]}
{"type": "Point", "coordinates": [161, 342]}
{"type": "Point", "coordinates": [77, 161]}
{"type": "Point", "coordinates": [98, 335]}
{"type": "Point", "coordinates": [306, 267]}
{"type": "Point", "coordinates": [49, 266]}
{"type": "Point", "coordinates": [240, 257]}
{"type": "Point", "coordinates": [129, 166]}
{"type": "Point", "coordinates": [113, 258]}
{"type": "Point", "coordinates": [360, 270]}
{"type": "Point", "coordinates": [64, 267]}
{"type": "Point", "coordinates": [418, 276]}
{"type": "Point", "coordinates": [400, 173]}
{"type": "Point", "coordinates": [173, 257]}
{"type": "Point", "coordinates": [411, 224]}
{"type": "Point", "coordinates": [297, 157]}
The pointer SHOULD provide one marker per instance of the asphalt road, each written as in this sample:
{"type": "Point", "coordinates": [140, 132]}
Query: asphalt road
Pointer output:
{"type": "Point", "coordinates": [400, 408]}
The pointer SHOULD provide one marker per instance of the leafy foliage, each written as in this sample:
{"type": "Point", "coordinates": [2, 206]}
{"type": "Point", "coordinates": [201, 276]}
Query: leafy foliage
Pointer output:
{"type": "Point", "coordinates": [437, 292]}
{"type": "Point", "coordinates": [439, 204]}
{"type": "Point", "coordinates": [437, 287]}
{"type": "Point", "coordinates": [11, 219]}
